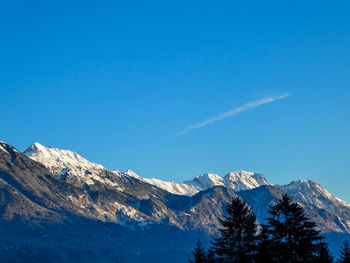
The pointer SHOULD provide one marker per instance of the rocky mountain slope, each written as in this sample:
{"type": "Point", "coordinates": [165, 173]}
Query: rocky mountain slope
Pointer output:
{"type": "Point", "coordinates": [46, 189]}
{"type": "Point", "coordinates": [313, 197]}
{"type": "Point", "coordinates": [97, 193]}
{"type": "Point", "coordinates": [331, 213]}
{"type": "Point", "coordinates": [74, 169]}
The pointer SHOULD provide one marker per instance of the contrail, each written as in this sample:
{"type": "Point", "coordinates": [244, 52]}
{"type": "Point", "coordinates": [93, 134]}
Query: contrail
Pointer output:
{"type": "Point", "coordinates": [245, 107]}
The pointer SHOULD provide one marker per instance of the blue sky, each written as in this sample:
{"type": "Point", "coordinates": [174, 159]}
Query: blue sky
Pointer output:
{"type": "Point", "coordinates": [117, 81]}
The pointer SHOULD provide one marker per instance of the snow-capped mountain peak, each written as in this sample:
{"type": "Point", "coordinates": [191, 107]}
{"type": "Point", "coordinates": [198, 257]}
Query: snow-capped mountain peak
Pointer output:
{"type": "Point", "coordinates": [311, 192]}
{"type": "Point", "coordinates": [236, 181]}
{"type": "Point", "coordinates": [68, 165]}
{"type": "Point", "coordinates": [125, 198]}
{"type": "Point", "coordinates": [56, 159]}
{"type": "Point", "coordinates": [2, 146]}
{"type": "Point", "coordinates": [73, 168]}
{"type": "Point", "coordinates": [133, 174]}
{"type": "Point", "coordinates": [243, 180]}
{"type": "Point", "coordinates": [209, 180]}
{"type": "Point", "coordinates": [314, 195]}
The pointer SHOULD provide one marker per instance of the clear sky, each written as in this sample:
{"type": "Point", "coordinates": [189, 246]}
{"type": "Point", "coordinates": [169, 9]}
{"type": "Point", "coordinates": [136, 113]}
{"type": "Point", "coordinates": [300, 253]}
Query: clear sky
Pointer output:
{"type": "Point", "coordinates": [123, 82]}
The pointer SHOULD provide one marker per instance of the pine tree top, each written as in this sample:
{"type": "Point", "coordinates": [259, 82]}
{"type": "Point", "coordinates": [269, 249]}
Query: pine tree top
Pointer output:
{"type": "Point", "coordinates": [344, 253]}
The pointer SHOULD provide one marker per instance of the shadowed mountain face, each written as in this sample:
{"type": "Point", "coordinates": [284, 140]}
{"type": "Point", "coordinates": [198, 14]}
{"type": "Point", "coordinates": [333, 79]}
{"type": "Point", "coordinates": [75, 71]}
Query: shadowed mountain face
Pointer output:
{"type": "Point", "coordinates": [42, 214]}
{"type": "Point", "coordinates": [113, 197]}
{"type": "Point", "coordinates": [88, 213]}
{"type": "Point", "coordinates": [327, 221]}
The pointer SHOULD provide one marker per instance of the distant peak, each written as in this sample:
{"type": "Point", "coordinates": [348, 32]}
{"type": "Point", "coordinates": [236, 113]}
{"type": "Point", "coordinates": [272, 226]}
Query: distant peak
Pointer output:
{"type": "Point", "coordinates": [209, 180]}
{"type": "Point", "coordinates": [208, 175]}
{"type": "Point", "coordinates": [132, 174]}
{"type": "Point", "coordinates": [35, 147]}
{"type": "Point", "coordinates": [240, 174]}
{"type": "Point", "coordinates": [302, 181]}
{"type": "Point", "coordinates": [56, 159]}
{"type": "Point", "coordinates": [302, 185]}
{"type": "Point", "coordinates": [39, 145]}
{"type": "Point", "coordinates": [2, 145]}
{"type": "Point", "coordinates": [243, 180]}
{"type": "Point", "coordinates": [244, 172]}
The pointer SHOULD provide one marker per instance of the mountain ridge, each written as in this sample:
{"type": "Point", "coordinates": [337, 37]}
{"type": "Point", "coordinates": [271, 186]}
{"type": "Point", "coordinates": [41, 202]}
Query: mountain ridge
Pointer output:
{"type": "Point", "coordinates": [71, 191]}
{"type": "Point", "coordinates": [66, 162]}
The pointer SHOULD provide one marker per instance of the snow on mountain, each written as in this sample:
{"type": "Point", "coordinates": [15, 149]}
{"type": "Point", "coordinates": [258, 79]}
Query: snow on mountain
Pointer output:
{"type": "Point", "coordinates": [172, 187]}
{"type": "Point", "coordinates": [327, 210]}
{"type": "Point", "coordinates": [236, 181]}
{"type": "Point", "coordinates": [333, 213]}
{"type": "Point", "coordinates": [2, 147]}
{"type": "Point", "coordinates": [189, 188]}
{"type": "Point", "coordinates": [6, 148]}
{"type": "Point", "coordinates": [308, 192]}
{"type": "Point", "coordinates": [68, 166]}
{"type": "Point", "coordinates": [72, 167]}
{"type": "Point", "coordinates": [243, 180]}
{"type": "Point", "coordinates": [206, 181]}
{"type": "Point", "coordinates": [132, 174]}
{"type": "Point", "coordinates": [54, 158]}
{"type": "Point", "coordinates": [131, 201]}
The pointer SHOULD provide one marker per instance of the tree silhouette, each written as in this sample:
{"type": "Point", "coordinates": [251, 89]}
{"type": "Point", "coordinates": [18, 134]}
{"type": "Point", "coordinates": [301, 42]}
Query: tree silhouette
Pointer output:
{"type": "Point", "coordinates": [344, 253]}
{"type": "Point", "coordinates": [264, 246]}
{"type": "Point", "coordinates": [323, 255]}
{"type": "Point", "coordinates": [288, 237]}
{"type": "Point", "coordinates": [199, 254]}
{"type": "Point", "coordinates": [236, 242]}
{"type": "Point", "coordinates": [294, 237]}
{"type": "Point", "coordinates": [211, 256]}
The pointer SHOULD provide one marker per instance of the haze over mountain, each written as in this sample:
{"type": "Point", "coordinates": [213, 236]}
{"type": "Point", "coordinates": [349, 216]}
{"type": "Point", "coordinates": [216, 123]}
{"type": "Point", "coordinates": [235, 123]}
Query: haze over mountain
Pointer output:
{"type": "Point", "coordinates": [51, 192]}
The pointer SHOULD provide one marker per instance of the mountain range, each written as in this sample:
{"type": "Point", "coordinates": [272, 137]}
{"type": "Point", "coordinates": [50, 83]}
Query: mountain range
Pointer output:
{"type": "Point", "coordinates": [56, 206]}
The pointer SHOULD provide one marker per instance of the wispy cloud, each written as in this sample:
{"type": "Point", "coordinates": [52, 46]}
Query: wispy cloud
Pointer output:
{"type": "Point", "coordinates": [230, 113]}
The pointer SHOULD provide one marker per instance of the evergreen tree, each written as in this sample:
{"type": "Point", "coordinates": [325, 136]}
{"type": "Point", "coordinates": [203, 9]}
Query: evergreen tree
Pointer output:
{"type": "Point", "coordinates": [323, 255]}
{"type": "Point", "coordinates": [211, 256]}
{"type": "Point", "coordinates": [263, 246]}
{"type": "Point", "coordinates": [294, 237]}
{"type": "Point", "coordinates": [199, 254]}
{"type": "Point", "coordinates": [236, 242]}
{"type": "Point", "coordinates": [345, 253]}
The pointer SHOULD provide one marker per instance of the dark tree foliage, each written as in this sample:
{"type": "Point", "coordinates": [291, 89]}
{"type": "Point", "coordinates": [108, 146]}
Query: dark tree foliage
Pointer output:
{"type": "Point", "coordinates": [288, 237]}
{"type": "Point", "coordinates": [199, 254]}
{"type": "Point", "coordinates": [293, 236]}
{"type": "Point", "coordinates": [236, 242]}
{"type": "Point", "coordinates": [264, 246]}
{"type": "Point", "coordinates": [211, 256]}
{"type": "Point", "coordinates": [344, 256]}
{"type": "Point", "coordinates": [322, 254]}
